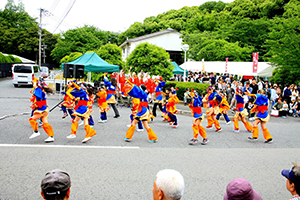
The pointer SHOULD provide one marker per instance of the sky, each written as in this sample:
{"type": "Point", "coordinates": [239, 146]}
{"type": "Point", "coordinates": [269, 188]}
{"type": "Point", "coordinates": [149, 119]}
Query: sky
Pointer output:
{"type": "Point", "coordinates": [109, 15]}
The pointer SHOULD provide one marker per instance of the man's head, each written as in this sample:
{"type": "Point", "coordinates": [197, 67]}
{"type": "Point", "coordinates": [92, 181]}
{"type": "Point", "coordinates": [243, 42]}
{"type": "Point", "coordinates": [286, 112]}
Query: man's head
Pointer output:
{"type": "Point", "coordinates": [56, 185]}
{"type": "Point", "coordinates": [169, 185]}
{"type": "Point", "coordinates": [293, 179]}
{"type": "Point", "coordinates": [253, 81]}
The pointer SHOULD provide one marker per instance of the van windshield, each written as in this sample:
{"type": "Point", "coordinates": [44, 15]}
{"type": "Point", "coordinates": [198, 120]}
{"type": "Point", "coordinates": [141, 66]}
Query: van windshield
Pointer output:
{"type": "Point", "coordinates": [22, 69]}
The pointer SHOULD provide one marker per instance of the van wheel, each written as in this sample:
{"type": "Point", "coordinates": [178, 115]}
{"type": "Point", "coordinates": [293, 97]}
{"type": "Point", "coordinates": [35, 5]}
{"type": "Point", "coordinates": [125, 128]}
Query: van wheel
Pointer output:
{"type": "Point", "coordinates": [16, 85]}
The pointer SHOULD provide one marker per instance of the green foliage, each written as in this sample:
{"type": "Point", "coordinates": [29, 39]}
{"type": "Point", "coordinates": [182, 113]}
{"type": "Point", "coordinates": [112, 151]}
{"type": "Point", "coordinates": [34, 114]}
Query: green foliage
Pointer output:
{"type": "Point", "coordinates": [81, 40]}
{"type": "Point", "coordinates": [17, 60]}
{"type": "Point", "coordinates": [2, 58]}
{"type": "Point", "coordinates": [150, 58]}
{"type": "Point", "coordinates": [112, 54]}
{"type": "Point", "coordinates": [71, 57]}
{"type": "Point", "coordinates": [182, 86]}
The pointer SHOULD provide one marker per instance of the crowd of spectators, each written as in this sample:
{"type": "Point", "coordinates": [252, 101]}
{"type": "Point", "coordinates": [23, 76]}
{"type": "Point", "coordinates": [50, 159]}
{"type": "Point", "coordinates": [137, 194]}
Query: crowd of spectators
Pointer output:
{"type": "Point", "coordinates": [284, 99]}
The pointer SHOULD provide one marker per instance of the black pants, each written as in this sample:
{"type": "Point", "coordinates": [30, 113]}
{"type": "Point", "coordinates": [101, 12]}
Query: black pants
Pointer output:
{"type": "Point", "coordinates": [113, 105]}
{"type": "Point", "coordinates": [154, 108]}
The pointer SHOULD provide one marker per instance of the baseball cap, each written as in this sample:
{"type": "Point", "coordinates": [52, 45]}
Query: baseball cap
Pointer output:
{"type": "Point", "coordinates": [55, 182]}
{"type": "Point", "coordinates": [239, 189]}
{"type": "Point", "coordinates": [290, 174]}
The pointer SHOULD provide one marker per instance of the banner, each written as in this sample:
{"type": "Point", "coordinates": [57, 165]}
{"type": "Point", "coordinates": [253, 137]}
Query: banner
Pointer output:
{"type": "Point", "coordinates": [255, 62]}
{"type": "Point", "coordinates": [203, 70]}
{"type": "Point", "coordinates": [226, 65]}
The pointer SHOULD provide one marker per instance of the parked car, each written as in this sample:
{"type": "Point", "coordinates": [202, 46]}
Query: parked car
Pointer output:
{"type": "Point", "coordinates": [44, 72]}
{"type": "Point", "coordinates": [23, 74]}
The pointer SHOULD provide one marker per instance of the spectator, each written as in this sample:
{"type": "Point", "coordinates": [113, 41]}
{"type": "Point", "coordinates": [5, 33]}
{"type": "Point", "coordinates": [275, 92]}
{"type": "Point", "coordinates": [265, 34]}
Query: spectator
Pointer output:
{"type": "Point", "coordinates": [240, 189]}
{"type": "Point", "coordinates": [169, 185]}
{"type": "Point", "coordinates": [187, 97]}
{"type": "Point", "coordinates": [293, 181]}
{"type": "Point", "coordinates": [229, 93]}
{"type": "Point", "coordinates": [295, 93]}
{"type": "Point", "coordinates": [285, 109]}
{"type": "Point", "coordinates": [254, 87]}
{"type": "Point", "coordinates": [287, 94]}
{"type": "Point", "coordinates": [261, 84]}
{"type": "Point", "coordinates": [274, 95]}
{"type": "Point", "coordinates": [293, 108]}
{"type": "Point", "coordinates": [279, 106]}
{"type": "Point", "coordinates": [213, 80]}
{"type": "Point", "coordinates": [298, 109]}
{"type": "Point", "coordinates": [56, 185]}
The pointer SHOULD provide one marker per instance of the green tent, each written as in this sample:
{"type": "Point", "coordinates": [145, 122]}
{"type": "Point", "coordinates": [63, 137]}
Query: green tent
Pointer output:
{"type": "Point", "coordinates": [178, 70]}
{"type": "Point", "coordinates": [93, 63]}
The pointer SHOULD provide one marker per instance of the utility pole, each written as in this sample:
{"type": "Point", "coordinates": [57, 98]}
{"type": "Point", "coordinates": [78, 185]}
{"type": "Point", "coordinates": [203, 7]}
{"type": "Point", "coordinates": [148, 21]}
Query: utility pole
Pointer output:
{"type": "Point", "coordinates": [40, 38]}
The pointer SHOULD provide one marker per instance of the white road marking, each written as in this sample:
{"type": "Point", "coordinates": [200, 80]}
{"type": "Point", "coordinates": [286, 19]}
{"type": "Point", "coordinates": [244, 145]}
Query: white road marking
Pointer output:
{"type": "Point", "coordinates": [68, 146]}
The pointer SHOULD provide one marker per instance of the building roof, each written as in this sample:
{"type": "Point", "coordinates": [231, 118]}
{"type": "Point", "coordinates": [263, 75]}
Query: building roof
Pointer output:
{"type": "Point", "coordinates": [144, 37]}
{"type": "Point", "coordinates": [24, 60]}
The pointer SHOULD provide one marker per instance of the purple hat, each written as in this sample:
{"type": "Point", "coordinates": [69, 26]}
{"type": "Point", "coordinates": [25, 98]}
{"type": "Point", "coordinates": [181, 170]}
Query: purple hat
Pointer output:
{"type": "Point", "coordinates": [290, 174]}
{"type": "Point", "coordinates": [239, 189]}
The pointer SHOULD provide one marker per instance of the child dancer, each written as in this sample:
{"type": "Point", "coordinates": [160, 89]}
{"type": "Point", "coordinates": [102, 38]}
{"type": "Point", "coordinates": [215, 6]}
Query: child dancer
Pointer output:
{"type": "Point", "coordinates": [81, 111]}
{"type": "Point", "coordinates": [214, 100]}
{"type": "Point", "coordinates": [262, 116]}
{"type": "Point", "coordinates": [41, 110]}
{"type": "Point", "coordinates": [241, 112]}
{"type": "Point", "coordinates": [198, 118]}
{"type": "Point", "coordinates": [102, 104]}
{"type": "Point", "coordinates": [171, 108]}
{"type": "Point", "coordinates": [111, 97]}
{"type": "Point", "coordinates": [143, 112]}
{"type": "Point", "coordinates": [224, 107]}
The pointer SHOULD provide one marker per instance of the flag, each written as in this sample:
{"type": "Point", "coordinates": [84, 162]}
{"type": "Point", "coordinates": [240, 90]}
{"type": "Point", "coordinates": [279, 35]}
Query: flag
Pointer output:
{"type": "Point", "coordinates": [203, 70]}
{"type": "Point", "coordinates": [226, 65]}
{"type": "Point", "coordinates": [255, 62]}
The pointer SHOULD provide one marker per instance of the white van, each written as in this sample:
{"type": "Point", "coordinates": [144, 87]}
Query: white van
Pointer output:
{"type": "Point", "coordinates": [22, 74]}
{"type": "Point", "coordinates": [44, 72]}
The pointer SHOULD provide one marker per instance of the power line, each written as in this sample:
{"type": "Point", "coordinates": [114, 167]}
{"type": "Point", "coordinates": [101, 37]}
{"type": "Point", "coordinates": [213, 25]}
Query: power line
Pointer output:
{"type": "Point", "coordinates": [55, 3]}
{"type": "Point", "coordinates": [64, 16]}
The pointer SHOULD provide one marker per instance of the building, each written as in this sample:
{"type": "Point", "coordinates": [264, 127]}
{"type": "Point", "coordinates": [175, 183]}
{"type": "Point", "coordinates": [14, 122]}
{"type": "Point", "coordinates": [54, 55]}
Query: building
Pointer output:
{"type": "Point", "coordinates": [168, 39]}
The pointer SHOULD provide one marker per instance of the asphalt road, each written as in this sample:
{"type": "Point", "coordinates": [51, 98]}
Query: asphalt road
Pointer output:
{"type": "Point", "coordinates": [109, 168]}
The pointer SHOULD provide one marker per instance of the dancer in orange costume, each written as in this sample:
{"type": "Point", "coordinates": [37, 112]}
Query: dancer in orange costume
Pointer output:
{"type": "Point", "coordinates": [224, 107]}
{"type": "Point", "coordinates": [41, 109]}
{"type": "Point", "coordinates": [143, 112]}
{"type": "Point", "coordinates": [198, 118]}
{"type": "Point", "coordinates": [68, 104]}
{"type": "Point", "coordinates": [102, 104]}
{"type": "Point", "coordinates": [210, 121]}
{"type": "Point", "coordinates": [241, 112]}
{"type": "Point", "coordinates": [214, 100]}
{"type": "Point", "coordinates": [81, 111]}
{"type": "Point", "coordinates": [262, 116]}
{"type": "Point", "coordinates": [171, 108]}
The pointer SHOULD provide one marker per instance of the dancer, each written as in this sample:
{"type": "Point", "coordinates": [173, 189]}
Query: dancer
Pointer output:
{"type": "Point", "coordinates": [171, 108]}
{"type": "Point", "coordinates": [111, 98]}
{"type": "Point", "coordinates": [195, 107]}
{"type": "Point", "coordinates": [205, 101]}
{"type": "Point", "coordinates": [214, 100]}
{"type": "Point", "coordinates": [81, 111]}
{"type": "Point", "coordinates": [68, 105]}
{"type": "Point", "coordinates": [224, 107]}
{"type": "Point", "coordinates": [41, 109]}
{"type": "Point", "coordinates": [90, 91]}
{"type": "Point", "coordinates": [262, 116]}
{"type": "Point", "coordinates": [102, 104]}
{"type": "Point", "coordinates": [135, 107]}
{"type": "Point", "coordinates": [143, 112]}
{"type": "Point", "coordinates": [241, 112]}
{"type": "Point", "coordinates": [158, 95]}
{"type": "Point", "coordinates": [164, 112]}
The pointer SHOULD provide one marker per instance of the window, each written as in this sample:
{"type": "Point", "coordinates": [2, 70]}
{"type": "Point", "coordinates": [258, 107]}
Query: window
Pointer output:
{"type": "Point", "coordinates": [22, 69]}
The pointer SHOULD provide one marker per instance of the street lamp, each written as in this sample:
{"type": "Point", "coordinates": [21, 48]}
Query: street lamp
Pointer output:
{"type": "Point", "coordinates": [185, 48]}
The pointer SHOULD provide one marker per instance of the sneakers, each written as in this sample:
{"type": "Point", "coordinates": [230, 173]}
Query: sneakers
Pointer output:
{"type": "Point", "coordinates": [35, 134]}
{"type": "Point", "coordinates": [65, 115]}
{"type": "Point", "coordinates": [236, 130]}
{"type": "Point", "coordinates": [164, 119]}
{"type": "Point", "coordinates": [175, 126]}
{"type": "Point", "coordinates": [128, 125]}
{"type": "Point", "coordinates": [153, 141]}
{"type": "Point", "coordinates": [81, 123]}
{"type": "Point", "coordinates": [269, 141]}
{"type": "Point", "coordinates": [101, 121]}
{"type": "Point", "coordinates": [171, 123]}
{"type": "Point", "coordinates": [218, 129]}
{"type": "Point", "coordinates": [193, 141]}
{"type": "Point", "coordinates": [116, 116]}
{"type": "Point", "coordinates": [127, 140]}
{"type": "Point", "coordinates": [49, 139]}
{"type": "Point", "coordinates": [86, 139]}
{"type": "Point", "coordinates": [284, 117]}
{"type": "Point", "coordinates": [252, 138]}
{"type": "Point", "coordinates": [71, 136]}
{"type": "Point", "coordinates": [205, 141]}
{"type": "Point", "coordinates": [228, 122]}
{"type": "Point", "coordinates": [209, 127]}
{"type": "Point", "coordinates": [139, 129]}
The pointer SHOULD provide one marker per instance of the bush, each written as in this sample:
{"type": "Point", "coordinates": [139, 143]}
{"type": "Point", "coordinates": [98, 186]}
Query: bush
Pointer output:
{"type": "Point", "coordinates": [182, 86]}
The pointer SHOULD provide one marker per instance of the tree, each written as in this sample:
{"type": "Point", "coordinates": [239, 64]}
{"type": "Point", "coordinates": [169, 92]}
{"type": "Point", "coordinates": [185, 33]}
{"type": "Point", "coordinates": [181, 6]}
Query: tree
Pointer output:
{"type": "Point", "coordinates": [112, 54]}
{"type": "Point", "coordinates": [87, 38]}
{"type": "Point", "coordinates": [150, 58]}
{"type": "Point", "coordinates": [71, 57]}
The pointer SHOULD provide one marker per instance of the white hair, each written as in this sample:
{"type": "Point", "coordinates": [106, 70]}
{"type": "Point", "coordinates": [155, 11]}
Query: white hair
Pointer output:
{"type": "Point", "coordinates": [171, 183]}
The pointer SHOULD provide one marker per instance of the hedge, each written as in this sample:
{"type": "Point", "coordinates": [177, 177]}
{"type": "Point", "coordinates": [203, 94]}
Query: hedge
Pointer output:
{"type": "Point", "coordinates": [182, 86]}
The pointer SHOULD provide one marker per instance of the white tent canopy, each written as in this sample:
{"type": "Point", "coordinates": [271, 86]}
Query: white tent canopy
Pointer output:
{"type": "Point", "coordinates": [264, 69]}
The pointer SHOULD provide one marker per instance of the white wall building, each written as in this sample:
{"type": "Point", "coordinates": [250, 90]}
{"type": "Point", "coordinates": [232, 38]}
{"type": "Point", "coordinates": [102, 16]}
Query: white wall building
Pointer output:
{"type": "Point", "coordinates": [168, 39]}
